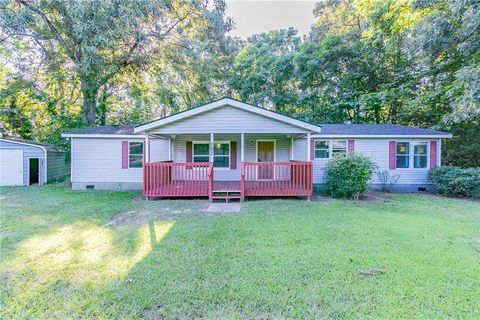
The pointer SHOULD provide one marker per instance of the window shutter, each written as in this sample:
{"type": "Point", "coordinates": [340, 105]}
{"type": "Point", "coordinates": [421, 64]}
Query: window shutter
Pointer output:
{"type": "Point", "coordinates": [433, 154]}
{"type": "Point", "coordinates": [392, 163]}
{"type": "Point", "coordinates": [189, 151]}
{"type": "Point", "coordinates": [124, 154]}
{"type": "Point", "coordinates": [351, 145]}
{"type": "Point", "coordinates": [312, 149]}
{"type": "Point", "coordinates": [233, 155]}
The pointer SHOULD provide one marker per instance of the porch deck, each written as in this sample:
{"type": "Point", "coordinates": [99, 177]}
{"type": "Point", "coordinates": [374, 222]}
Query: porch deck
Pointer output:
{"type": "Point", "coordinates": [257, 179]}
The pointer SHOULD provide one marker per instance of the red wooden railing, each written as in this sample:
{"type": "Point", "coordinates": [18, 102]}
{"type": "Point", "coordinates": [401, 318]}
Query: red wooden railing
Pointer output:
{"type": "Point", "coordinates": [276, 178]}
{"type": "Point", "coordinates": [172, 179]}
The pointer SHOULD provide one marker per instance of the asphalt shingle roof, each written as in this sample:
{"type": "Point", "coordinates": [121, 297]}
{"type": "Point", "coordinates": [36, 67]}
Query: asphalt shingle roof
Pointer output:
{"type": "Point", "coordinates": [327, 129]}
{"type": "Point", "coordinates": [376, 129]}
{"type": "Point", "coordinates": [111, 129]}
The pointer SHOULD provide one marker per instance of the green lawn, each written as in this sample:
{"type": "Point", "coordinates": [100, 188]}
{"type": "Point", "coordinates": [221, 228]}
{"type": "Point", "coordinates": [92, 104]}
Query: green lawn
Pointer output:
{"type": "Point", "coordinates": [275, 259]}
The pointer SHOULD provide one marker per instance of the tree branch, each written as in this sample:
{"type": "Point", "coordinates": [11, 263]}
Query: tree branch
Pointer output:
{"type": "Point", "coordinates": [52, 28]}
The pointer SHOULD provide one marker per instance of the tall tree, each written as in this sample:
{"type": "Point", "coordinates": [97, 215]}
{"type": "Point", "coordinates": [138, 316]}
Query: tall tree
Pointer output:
{"type": "Point", "coordinates": [101, 38]}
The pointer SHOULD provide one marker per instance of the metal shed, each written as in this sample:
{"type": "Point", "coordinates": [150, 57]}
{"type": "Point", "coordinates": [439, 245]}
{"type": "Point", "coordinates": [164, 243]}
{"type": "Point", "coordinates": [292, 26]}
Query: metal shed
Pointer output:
{"type": "Point", "coordinates": [24, 163]}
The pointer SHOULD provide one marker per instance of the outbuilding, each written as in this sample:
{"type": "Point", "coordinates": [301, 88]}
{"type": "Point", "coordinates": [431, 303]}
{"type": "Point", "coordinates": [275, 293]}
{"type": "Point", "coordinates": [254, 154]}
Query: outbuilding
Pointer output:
{"type": "Point", "coordinates": [24, 163]}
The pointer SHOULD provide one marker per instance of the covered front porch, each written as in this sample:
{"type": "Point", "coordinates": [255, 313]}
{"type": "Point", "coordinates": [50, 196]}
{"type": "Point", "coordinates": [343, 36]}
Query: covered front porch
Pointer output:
{"type": "Point", "coordinates": [229, 166]}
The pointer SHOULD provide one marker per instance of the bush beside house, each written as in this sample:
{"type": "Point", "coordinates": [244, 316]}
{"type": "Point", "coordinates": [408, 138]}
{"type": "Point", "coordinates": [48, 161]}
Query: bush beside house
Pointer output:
{"type": "Point", "coordinates": [456, 181]}
{"type": "Point", "coordinates": [347, 175]}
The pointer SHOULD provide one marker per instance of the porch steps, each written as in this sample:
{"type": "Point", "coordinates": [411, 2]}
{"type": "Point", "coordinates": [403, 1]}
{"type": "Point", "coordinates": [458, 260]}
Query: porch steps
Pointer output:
{"type": "Point", "coordinates": [226, 195]}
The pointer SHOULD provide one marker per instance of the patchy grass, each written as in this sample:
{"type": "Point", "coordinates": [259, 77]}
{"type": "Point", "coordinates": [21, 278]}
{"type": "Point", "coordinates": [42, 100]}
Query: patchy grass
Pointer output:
{"type": "Point", "coordinates": [414, 256]}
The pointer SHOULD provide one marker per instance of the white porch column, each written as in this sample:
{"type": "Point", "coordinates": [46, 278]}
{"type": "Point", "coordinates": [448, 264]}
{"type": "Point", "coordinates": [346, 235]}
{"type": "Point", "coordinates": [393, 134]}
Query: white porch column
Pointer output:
{"type": "Point", "coordinates": [242, 147]}
{"type": "Point", "coordinates": [308, 146]}
{"type": "Point", "coordinates": [291, 149]}
{"type": "Point", "coordinates": [147, 148]}
{"type": "Point", "coordinates": [169, 149]}
{"type": "Point", "coordinates": [212, 145]}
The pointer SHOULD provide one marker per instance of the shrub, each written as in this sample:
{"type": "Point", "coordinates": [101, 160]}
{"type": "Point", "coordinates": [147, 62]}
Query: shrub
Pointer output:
{"type": "Point", "coordinates": [347, 175]}
{"type": "Point", "coordinates": [456, 181]}
{"type": "Point", "coordinates": [387, 180]}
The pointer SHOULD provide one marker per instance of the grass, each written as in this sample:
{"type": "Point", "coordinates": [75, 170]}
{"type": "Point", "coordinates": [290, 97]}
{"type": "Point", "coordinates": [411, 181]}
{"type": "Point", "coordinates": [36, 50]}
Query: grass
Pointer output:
{"type": "Point", "coordinates": [276, 259]}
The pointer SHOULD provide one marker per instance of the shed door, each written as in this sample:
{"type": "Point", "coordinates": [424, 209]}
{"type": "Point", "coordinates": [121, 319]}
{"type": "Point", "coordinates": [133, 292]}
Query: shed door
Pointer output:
{"type": "Point", "coordinates": [11, 167]}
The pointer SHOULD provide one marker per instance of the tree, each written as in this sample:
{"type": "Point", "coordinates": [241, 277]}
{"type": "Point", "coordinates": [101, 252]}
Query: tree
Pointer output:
{"type": "Point", "coordinates": [101, 38]}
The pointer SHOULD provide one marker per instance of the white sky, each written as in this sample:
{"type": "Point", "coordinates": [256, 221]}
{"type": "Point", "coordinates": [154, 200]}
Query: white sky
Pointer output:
{"type": "Point", "coordinates": [253, 16]}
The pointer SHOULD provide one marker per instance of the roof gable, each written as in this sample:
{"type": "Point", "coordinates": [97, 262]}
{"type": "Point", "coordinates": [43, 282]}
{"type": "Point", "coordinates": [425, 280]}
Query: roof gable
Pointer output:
{"type": "Point", "coordinates": [222, 103]}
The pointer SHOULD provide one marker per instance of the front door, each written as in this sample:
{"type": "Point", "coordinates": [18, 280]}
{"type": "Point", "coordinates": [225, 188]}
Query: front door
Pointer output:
{"type": "Point", "coordinates": [266, 153]}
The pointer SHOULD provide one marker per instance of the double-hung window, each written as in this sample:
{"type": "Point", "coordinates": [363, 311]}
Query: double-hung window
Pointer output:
{"type": "Point", "coordinates": [322, 150]}
{"type": "Point", "coordinates": [412, 155]}
{"type": "Point", "coordinates": [420, 155]}
{"type": "Point", "coordinates": [135, 154]}
{"type": "Point", "coordinates": [325, 149]}
{"type": "Point", "coordinates": [221, 153]}
{"type": "Point", "coordinates": [403, 155]}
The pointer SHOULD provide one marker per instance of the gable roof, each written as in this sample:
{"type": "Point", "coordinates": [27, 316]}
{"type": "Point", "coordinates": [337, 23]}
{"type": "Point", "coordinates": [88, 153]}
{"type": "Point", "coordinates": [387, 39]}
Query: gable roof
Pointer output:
{"type": "Point", "coordinates": [373, 130]}
{"type": "Point", "coordinates": [227, 102]}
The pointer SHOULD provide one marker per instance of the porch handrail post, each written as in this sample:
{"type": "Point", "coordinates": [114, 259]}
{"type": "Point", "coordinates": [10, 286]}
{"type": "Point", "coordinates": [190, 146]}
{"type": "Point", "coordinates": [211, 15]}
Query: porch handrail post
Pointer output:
{"type": "Point", "coordinates": [242, 183]}
{"type": "Point", "coordinates": [210, 181]}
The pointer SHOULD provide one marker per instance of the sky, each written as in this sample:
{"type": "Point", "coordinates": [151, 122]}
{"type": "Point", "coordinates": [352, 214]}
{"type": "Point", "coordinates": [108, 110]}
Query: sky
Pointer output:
{"type": "Point", "coordinates": [252, 16]}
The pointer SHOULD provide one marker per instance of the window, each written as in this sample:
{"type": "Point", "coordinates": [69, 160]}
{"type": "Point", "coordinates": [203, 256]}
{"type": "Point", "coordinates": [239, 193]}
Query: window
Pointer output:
{"type": "Point", "coordinates": [135, 154]}
{"type": "Point", "coordinates": [200, 152]}
{"type": "Point", "coordinates": [339, 147]}
{"type": "Point", "coordinates": [420, 155]}
{"type": "Point", "coordinates": [324, 149]}
{"type": "Point", "coordinates": [321, 150]}
{"type": "Point", "coordinates": [403, 155]}
{"type": "Point", "coordinates": [221, 153]}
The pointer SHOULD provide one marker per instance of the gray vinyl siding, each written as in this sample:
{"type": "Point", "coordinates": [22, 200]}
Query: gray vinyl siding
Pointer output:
{"type": "Point", "coordinates": [377, 149]}
{"type": "Point", "coordinates": [228, 120]}
{"type": "Point", "coordinates": [221, 174]}
{"type": "Point", "coordinates": [57, 166]}
{"type": "Point", "coordinates": [28, 152]}
{"type": "Point", "coordinates": [99, 160]}
{"type": "Point", "coordinates": [158, 150]}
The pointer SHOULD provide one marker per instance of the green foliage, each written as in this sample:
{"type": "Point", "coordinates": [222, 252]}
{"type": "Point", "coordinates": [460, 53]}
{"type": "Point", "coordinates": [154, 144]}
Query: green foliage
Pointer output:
{"type": "Point", "coordinates": [347, 175]}
{"type": "Point", "coordinates": [456, 181]}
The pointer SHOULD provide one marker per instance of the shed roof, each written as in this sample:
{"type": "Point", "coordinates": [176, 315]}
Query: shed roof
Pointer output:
{"type": "Point", "coordinates": [47, 146]}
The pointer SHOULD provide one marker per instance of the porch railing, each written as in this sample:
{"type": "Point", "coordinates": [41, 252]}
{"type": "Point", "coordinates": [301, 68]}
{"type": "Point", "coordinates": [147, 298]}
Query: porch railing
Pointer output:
{"type": "Point", "coordinates": [292, 178]}
{"type": "Point", "coordinates": [172, 179]}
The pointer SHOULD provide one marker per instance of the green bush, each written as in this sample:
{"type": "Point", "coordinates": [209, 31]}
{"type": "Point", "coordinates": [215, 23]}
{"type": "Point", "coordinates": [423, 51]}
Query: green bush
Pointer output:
{"type": "Point", "coordinates": [347, 175]}
{"type": "Point", "coordinates": [456, 181]}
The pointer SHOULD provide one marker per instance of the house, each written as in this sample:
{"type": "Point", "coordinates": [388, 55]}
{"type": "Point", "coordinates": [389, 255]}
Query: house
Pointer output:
{"type": "Point", "coordinates": [24, 163]}
{"type": "Point", "coordinates": [229, 149]}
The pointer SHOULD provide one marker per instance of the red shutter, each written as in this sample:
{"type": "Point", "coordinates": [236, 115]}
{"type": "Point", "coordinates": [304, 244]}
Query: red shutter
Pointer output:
{"type": "Point", "coordinates": [392, 163]}
{"type": "Point", "coordinates": [312, 149]}
{"type": "Point", "coordinates": [189, 151]}
{"type": "Point", "coordinates": [351, 145]}
{"type": "Point", "coordinates": [124, 154]}
{"type": "Point", "coordinates": [433, 154]}
{"type": "Point", "coordinates": [233, 155]}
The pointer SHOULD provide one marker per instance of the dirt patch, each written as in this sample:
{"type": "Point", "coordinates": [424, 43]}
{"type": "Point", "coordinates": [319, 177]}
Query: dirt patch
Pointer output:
{"type": "Point", "coordinates": [373, 197]}
{"type": "Point", "coordinates": [370, 197]}
{"type": "Point", "coordinates": [165, 210]}
{"type": "Point", "coordinates": [371, 272]}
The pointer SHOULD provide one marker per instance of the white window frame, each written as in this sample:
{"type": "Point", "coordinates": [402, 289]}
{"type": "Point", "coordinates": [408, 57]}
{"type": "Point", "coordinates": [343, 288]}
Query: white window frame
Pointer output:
{"type": "Point", "coordinates": [330, 147]}
{"type": "Point", "coordinates": [209, 151]}
{"type": "Point", "coordinates": [411, 156]}
{"type": "Point", "coordinates": [136, 154]}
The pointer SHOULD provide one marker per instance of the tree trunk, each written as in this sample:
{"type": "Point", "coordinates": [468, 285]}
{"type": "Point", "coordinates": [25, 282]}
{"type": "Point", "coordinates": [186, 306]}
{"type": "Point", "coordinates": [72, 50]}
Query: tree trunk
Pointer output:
{"type": "Point", "coordinates": [89, 106]}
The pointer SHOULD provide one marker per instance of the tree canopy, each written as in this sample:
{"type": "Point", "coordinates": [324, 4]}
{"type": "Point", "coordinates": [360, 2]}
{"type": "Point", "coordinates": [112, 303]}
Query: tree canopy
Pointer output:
{"type": "Point", "coordinates": [70, 64]}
